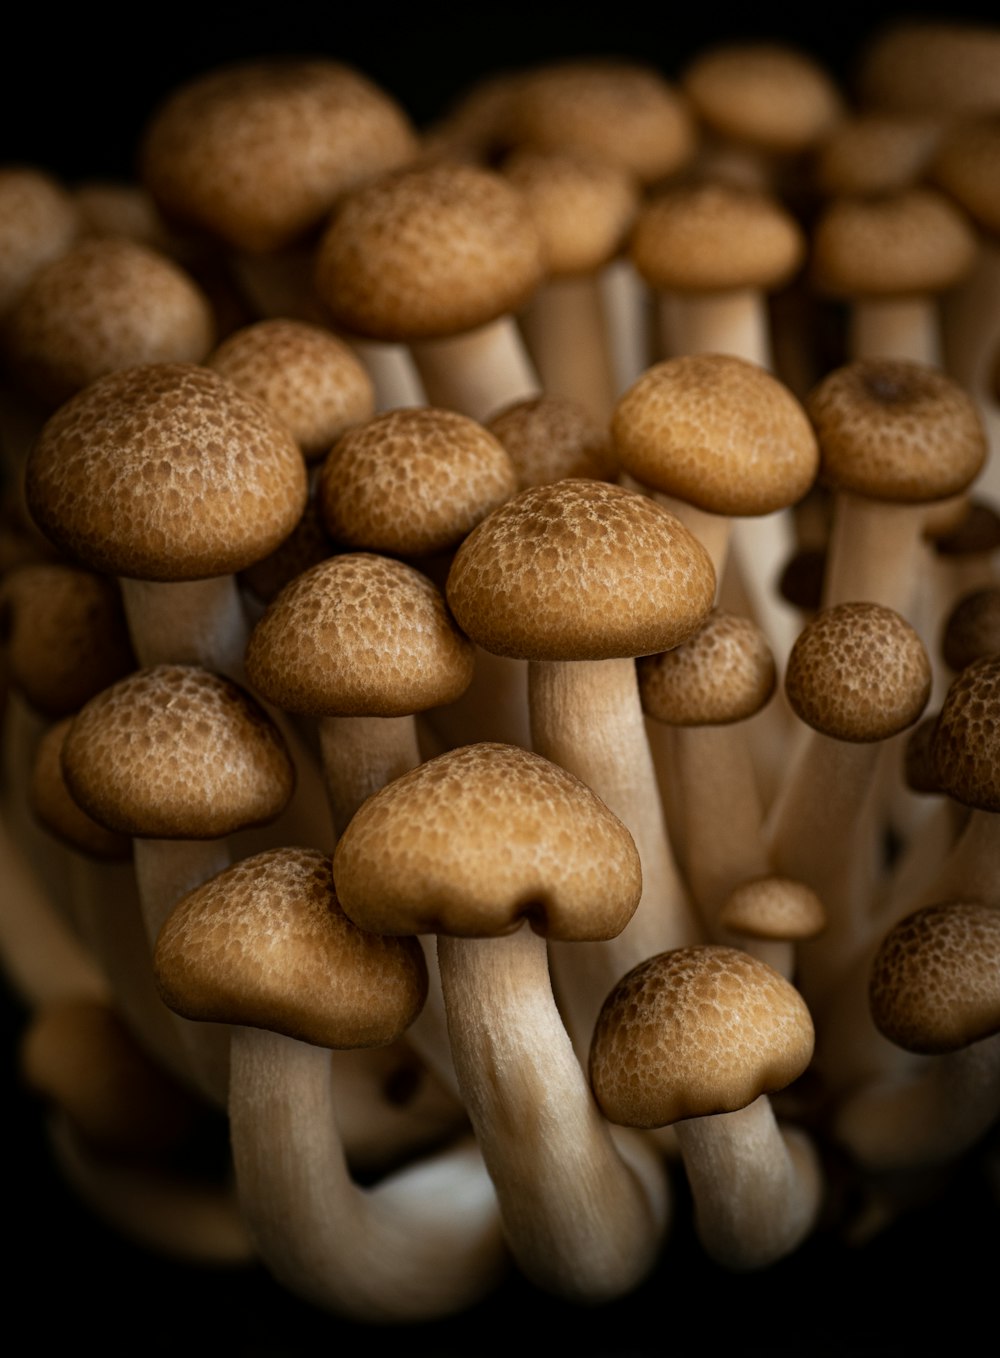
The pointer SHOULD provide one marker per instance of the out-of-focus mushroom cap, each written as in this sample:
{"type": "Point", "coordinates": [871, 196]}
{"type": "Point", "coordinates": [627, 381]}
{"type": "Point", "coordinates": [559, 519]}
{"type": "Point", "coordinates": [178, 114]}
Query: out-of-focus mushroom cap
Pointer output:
{"type": "Point", "coordinates": [54, 807]}
{"type": "Point", "coordinates": [972, 628]}
{"type": "Point", "coordinates": [872, 153]}
{"type": "Point", "coordinates": [580, 570]}
{"type": "Point", "coordinates": [38, 222]}
{"type": "Point", "coordinates": [919, 769]}
{"type": "Point", "coordinates": [477, 840]}
{"type": "Point", "coordinates": [966, 745]}
{"type": "Point", "coordinates": [165, 472]}
{"type": "Point", "coordinates": [896, 430]}
{"type": "Point", "coordinates": [858, 672]}
{"type": "Point", "coordinates": [359, 635]}
{"type": "Point", "coordinates": [777, 908]}
{"type": "Point", "coordinates": [934, 985]}
{"type": "Point", "coordinates": [724, 673]}
{"type": "Point", "coordinates": [938, 67]}
{"type": "Point", "coordinates": [551, 438]}
{"type": "Point", "coordinates": [175, 752]}
{"type": "Point", "coordinates": [717, 432]}
{"type": "Point", "coordinates": [696, 1031]}
{"type": "Point", "coordinates": [967, 166]}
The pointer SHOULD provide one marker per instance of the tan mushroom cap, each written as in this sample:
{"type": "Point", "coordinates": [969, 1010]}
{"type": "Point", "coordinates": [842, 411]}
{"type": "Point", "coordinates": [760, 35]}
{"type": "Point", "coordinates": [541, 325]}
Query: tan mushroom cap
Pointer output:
{"type": "Point", "coordinates": [104, 305]}
{"type": "Point", "coordinates": [934, 985]}
{"type": "Point", "coordinates": [413, 481]}
{"type": "Point", "coordinates": [717, 432]}
{"type": "Point", "coordinates": [872, 153]}
{"type": "Point", "coordinates": [724, 673]}
{"type": "Point", "coordinates": [165, 472]}
{"type": "Point", "coordinates": [428, 253]}
{"type": "Point", "coordinates": [477, 840]}
{"type": "Point", "coordinates": [550, 438]}
{"type": "Point", "coordinates": [54, 807]}
{"type": "Point", "coordinates": [310, 379]}
{"type": "Point", "coordinates": [967, 166]}
{"type": "Point", "coordinates": [966, 747]}
{"type": "Point", "coordinates": [899, 244]}
{"type": "Point", "coordinates": [580, 570]}
{"type": "Point", "coordinates": [111, 207]}
{"type": "Point", "coordinates": [258, 153]}
{"type": "Point", "coordinates": [768, 95]}
{"type": "Point", "coordinates": [895, 430]}
{"type": "Point", "coordinates": [38, 222]}
{"type": "Point", "coordinates": [972, 628]}
{"type": "Point", "coordinates": [858, 672]}
{"type": "Point", "coordinates": [359, 635]}
{"type": "Point", "coordinates": [777, 908]}
{"type": "Point", "coordinates": [176, 752]}
{"type": "Point", "coordinates": [919, 769]}
{"type": "Point", "coordinates": [924, 66]}
{"type": "Point", "coordinates": [696, 1031]}
{"type": "Point", "coordinates": [266, 944]}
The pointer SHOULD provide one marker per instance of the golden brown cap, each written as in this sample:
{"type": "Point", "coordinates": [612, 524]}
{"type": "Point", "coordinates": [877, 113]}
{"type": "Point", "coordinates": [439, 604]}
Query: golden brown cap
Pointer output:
{"type": "Point", "coordinates": [967, 166]}
{"type": "Point", "coordinates": [724, 673]}
{"type": "Point", "coordinates": [38, 223]}
{"type": "Point", "coordinates": [478, 840]}
{"type": "Point", "coordinates": [550, 438]}
{"type": "Point", "coordinates": [776, 908]}
{"type": "Point", "coordinates": [966, 746]}
{"type": "Point", "coordinates": [941, 67]}
{"type": "Point", "coordinates": [872, 153]}
{"type": "Point", "coordinates": [52, 804]}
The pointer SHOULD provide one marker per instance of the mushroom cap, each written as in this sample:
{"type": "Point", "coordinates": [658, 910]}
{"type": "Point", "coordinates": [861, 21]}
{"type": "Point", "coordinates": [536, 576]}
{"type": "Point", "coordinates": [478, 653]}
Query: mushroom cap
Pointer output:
{"type": "Point", "coordinates": [724, 673]}
{"type": "Point", "coordinates": [972, 628]}
{"type": "Point", "coordinates": [53, 805]}
{"type": "Point", "coordinates": [967, 166]}
{"type": "Point", "coordinates": [474, 842]}
{"type": "Point", "coordinates": [165, 472]}
{"type": "Point", "coordinates": [966, 746]}
{"type": "Point", "coordinates": [858, 672]}
{"type": "Point", "coordinates": [777, 908]}
{"type": "Point", "coordinates": [176, 752]}
{"type": "Point", "coordinates": [696, 1031]}
{"type": "Point", "coordinates": [258, 153]}
{"type": "Point", "coordinates": [874, 152]}
{"type": "Point", "coordinates": [266, 944]}
{"type": "Point", "coordinates": [551, 437]}
{"type": "Point", "coordinates": [359, 635]}
{"type": "Point", "coordinates": [103, 305]}
{"type": "Point", "coordinates": [934, 985]}
{"type": "Point", "coordinates": [38, 222]}
{"type": "Point", "coordinates": [717, 432]}
{"type": "Point", "coordinates": [112, 207]}
{"type": "Point", "coordinates": [580, 570]}
{"type": "Point", "coordinates": [919, 769]}
{"type": "Point", "coordinates": [428, 253]}
{"type": "Point", "coordinates": [891, 429]}
{"type": "Point", "coordinates": [413, 481]}
{"type": "Point", "coordinates": [942, 67]}
{"type": "Point", "coordinates": [312, 380]}
{"type": "Point", "coordinates": [306, 545]}
{"type": "Point", "coordinates": [714, 237]}
{"type": "Point", "coordinates": [977, 533]}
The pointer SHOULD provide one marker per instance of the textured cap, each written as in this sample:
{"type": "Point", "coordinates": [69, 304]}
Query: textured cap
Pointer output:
{"type": "Point", "coordinates": [724, 673]}
{"type": "Point", "coordinates": [479, 839]}
{"type": "Point", "coordinates": [165, 472]}
{"type": "Point", "coordinates": [919, 769]}
{"type": "Point", "coordinates": [966, 745]}
{"type": "Point", "coordinates": [54, 807]}
{"type": "Point", "coordinates": [580, 570]}
{"type": "Point", "coordinates": [776, 908]}
{"type": "Point", "coordinates": [717, 432]}
{"type": "Point", "coordinates": [550, 438]}
{"type": "Point", "coordinates": [38, 222]}
{"type": "Point", "coordinates": [696, 1031]}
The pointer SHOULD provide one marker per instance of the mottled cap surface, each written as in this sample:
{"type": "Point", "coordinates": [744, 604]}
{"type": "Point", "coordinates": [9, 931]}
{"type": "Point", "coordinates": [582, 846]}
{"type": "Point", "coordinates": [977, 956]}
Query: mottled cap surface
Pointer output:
{"type": "Point", "coordinates": [258, 153]}
{"type": "Point", "coordinates": [858, 672]}
{"type": "Point", "coordinates": [972, 628]}
{"type": "Point", "coordinates": [967, 166]}
{"type": "Point", "coordinates": [165, 472]}
{"type": "Point", "coordinates": [479, 839]}
{"type": "Point", "coordinates": [38, 222]}
{"type": "Point", "coordinates": [413, 481]}
{"type": "Point", "coordinates": [428, 253]}
{"type": "Point", "coordinates": [777, 908]}
{"type": "Point", "coordinates": [696, 1031]}
{"type": "Point", "coordinates": [724, 673]}
{"type": "Point", "coordinates": [53, 806]}
{"type": "Point", "coordinates": [312, 380]}
{"type": "Point", "coordinates": [266, 944]}
{"type": "Point", "coordinates": [550, 438]}
{"type": "Point", "coordinates": [580, 570]}
{"type": "Point", "coordinates": [919, 768]}
{"type": "Point", "coordinates": [966, 746]}
{"type": "Point", "coordinates": [717, 432]}
{"type": "Point", "coordinates": [359, 635]}
{"type": "Point", "coordinates": [715, 237]}
{"type": "Point", "coordinates": [935, 980]}
{"type": "Point", "coordinates": [176, 752]}
{"type": "Point", "coordinates": [896, 430]}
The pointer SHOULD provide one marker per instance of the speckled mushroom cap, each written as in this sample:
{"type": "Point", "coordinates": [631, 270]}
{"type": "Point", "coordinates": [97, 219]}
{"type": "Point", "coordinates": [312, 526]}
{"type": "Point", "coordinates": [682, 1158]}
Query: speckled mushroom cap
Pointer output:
{"type": "Point", "coordinates": [266, 944]}
{"type": "Point", "coordinates": [717, 432]}
{"type": "Point", "coordinates": [724, 673]}
{"type": "Point", "coordinates": [919, 770]}
{"type": "Point", "coordinates": [894, 245]}
{"type": "Point", "coordinates": [359, 635]}
{"type": "Point", "coordinates": [923, 66]}
{"type": "Point", "coordinates": [767, 95]}
{"type": "Point", "coordinates": [934, 985]}
{"type": "Point", "coordinates": [165, 472]}
{"type": "Point", "coordinates": [972, 628]}
{"type": "Point", "coordinates": [966, 747]}
{"type": "Point", "coordinates": [310, 379]}
{"type": "Point", "coordinates": [777, 908]}
{"type": "Point", "coordinates": [696, 1031]}
{"type": "Point", "coordinates": [66, 634]}
{"type": "Point", "coordinates": [54, 807]}
{"type": "Point", "coordinates": [550, 438]}
{"type": "Point", "coordinates": [890, 429]}
{"type": "Point", "coordinates": [967, 166]}
{"type": "Point", "coordinates": [176, 752]}
{"type": "Point", "coordinates": [104, 305]}
{"type": "Point", "coordinates": [258, 153]}
{"type": "Point", "coordinates": [38, 222]}
{"type": "Point", "coordinates": [873, 153]}
{"type": "Point", "coordinates": [428, 253]}
{"type": "Point", "coordinates": [580, 570]}
{"type": "Point", "coordinates": [858, 672]}
{"type": "Point", "coordinates": [622, 111]}
{"type": "Point", "coordinates": [714, 237]}
{"type": "Point", "coordinates": [481, 838]}
{"type": "Point", "coordinates": [413, 481]}
{"type": "Point", "coordinates": [583, 206]}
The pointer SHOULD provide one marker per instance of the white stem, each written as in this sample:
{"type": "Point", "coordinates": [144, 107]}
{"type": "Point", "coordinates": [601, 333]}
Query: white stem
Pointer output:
{"type": "Point", "coordinates": [627, 307]}
{"type": "Point", "coordinates": [478, 373]}
{"type": "Point", "coordinates": [360, 756]}
{"type": "Point", "coordinates": [718, 323]}
{"type": "Point", "coordinates": [565, 331]}
{"type": "Point", "coordinates": [393, 372]}
{"type": "Point", "coordinates": [896, 327]}
{"type": "Point", "coordinates": [874, 552]}
{"type": "Point", "coordinates": [191, 622]}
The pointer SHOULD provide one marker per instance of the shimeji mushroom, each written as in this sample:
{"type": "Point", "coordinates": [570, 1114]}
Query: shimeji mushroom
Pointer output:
{"type": "Point", "coordinates": [266, 947]}
{"type": "Point", "coordinates": [550, 438]}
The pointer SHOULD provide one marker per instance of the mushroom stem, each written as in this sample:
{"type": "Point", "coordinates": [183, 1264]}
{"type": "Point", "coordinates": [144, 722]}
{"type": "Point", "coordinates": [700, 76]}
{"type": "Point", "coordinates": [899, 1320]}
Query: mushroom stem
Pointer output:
{"type": "Point", "coordinates": [726, 322]}
{"type": "Point", "coordinates": [625, 299]}
{"type": "Point", "coordinates": [477, 373]}
{"type": "Point", "coordinates": [896, 327]}
{"type": "Point", "coordinates": [564, 327]}
{"type": "Point", "coordinates": [195, 622]}
{"type": "Point", "coordinates": [874, 552]}
{"type": "Point", "coordinates": [361, 755]}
